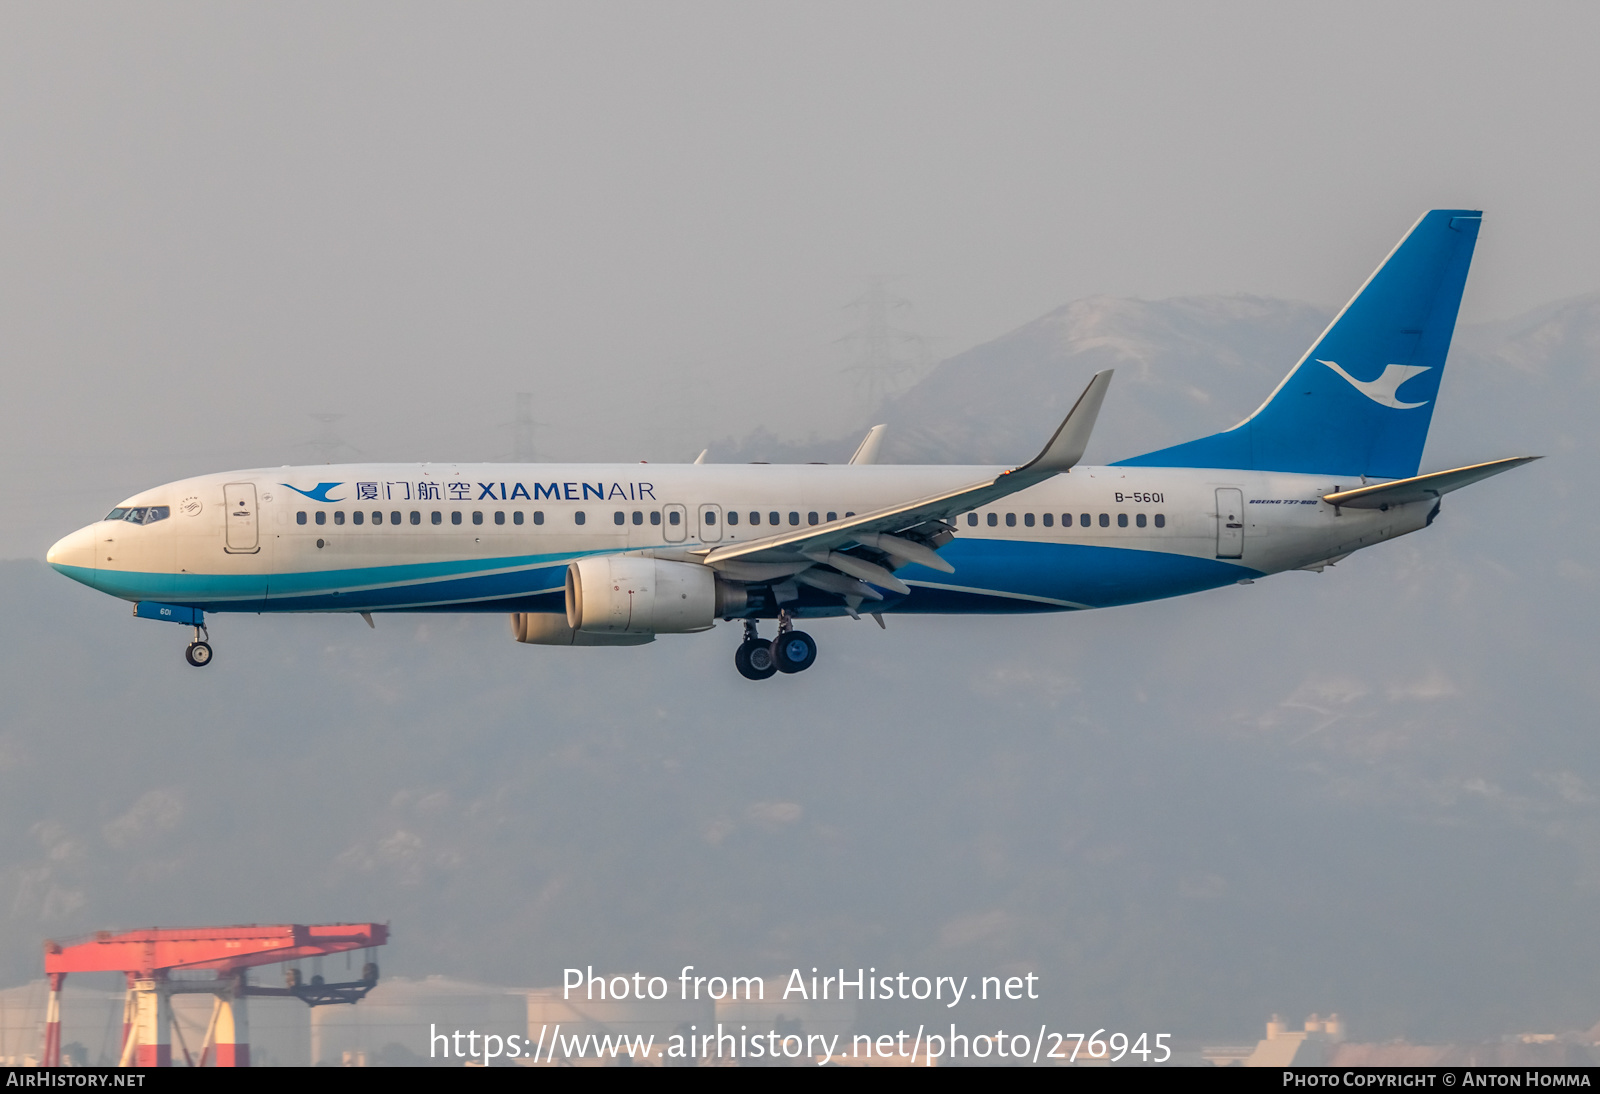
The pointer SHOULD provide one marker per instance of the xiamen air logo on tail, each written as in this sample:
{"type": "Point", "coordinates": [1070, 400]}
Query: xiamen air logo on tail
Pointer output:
{"type": "Point", "coordinates": [1383, 390]}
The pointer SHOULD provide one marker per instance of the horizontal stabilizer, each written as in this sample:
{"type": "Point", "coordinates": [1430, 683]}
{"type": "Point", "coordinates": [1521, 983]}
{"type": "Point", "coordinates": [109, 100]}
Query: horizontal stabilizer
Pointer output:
{"type": "Point", "coordinates": [1423, 487]}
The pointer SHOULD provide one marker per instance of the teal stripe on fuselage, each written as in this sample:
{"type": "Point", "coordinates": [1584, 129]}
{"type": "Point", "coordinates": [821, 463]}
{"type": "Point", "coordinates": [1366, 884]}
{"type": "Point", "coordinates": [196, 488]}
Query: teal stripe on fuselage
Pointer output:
{"type": "Point", "coordinates": [427, 582]}
{"type": "Point", "coordinates": [991, 576]}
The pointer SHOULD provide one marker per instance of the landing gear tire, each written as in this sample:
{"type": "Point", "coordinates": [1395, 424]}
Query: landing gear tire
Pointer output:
{"type": "Point", "coordinates": [754, 660]}
{"type": "Point", "coordinates": [198, 654]}
{"type": "Point", "coordinates": [794, 651]}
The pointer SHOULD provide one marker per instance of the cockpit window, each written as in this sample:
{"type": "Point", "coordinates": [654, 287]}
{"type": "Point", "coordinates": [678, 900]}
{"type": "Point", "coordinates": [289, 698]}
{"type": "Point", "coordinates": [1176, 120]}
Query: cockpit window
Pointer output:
{"type": "Point", "coordinates": [141, 514]}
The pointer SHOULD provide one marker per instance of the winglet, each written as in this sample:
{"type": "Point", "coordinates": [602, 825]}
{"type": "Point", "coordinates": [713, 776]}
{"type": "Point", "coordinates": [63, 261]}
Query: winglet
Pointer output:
{"type": "Point", "coordinates": [1066, 447]}
{"type": "Point", "coordinates": [867, 451]}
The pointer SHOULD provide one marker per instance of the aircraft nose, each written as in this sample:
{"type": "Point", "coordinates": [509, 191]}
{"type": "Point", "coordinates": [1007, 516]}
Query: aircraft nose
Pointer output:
{"type": "Point", "coordinates": [73, 552]}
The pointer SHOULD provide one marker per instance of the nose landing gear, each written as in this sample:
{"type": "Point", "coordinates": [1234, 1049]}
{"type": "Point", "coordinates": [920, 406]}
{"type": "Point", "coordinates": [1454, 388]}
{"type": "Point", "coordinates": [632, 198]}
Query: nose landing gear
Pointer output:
{"type": "Point", "coordinates": [199, 652]}
{"type": "Point", "coordinates": [792, 651]}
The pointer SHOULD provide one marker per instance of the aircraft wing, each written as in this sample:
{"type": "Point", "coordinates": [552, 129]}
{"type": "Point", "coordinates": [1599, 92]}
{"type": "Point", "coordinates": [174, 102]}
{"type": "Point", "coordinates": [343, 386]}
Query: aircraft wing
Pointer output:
{"type": "Point", "coordinates": [794, 551]}
{"type": "Point", "coordinates": [1422, 487]}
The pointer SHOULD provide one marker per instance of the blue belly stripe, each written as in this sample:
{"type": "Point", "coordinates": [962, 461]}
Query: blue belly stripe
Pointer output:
{"type": "Point", "coordinates": [992, 576]}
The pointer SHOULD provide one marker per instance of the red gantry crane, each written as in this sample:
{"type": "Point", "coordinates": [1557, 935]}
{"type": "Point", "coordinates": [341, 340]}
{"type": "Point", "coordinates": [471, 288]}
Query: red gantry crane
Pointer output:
{"type": "Point", "coordinates": [148, 958]}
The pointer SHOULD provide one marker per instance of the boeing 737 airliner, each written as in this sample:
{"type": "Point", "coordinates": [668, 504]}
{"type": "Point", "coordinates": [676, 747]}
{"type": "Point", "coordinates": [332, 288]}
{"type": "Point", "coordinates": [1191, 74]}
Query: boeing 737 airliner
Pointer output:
{"type": "Point", "coordinates": [614, 555]}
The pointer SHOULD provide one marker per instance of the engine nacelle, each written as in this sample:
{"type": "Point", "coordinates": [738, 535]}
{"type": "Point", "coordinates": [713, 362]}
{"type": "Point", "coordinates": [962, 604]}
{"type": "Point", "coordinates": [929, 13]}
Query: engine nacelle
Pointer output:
{"type": "Point", "coordinates": [628, 595]}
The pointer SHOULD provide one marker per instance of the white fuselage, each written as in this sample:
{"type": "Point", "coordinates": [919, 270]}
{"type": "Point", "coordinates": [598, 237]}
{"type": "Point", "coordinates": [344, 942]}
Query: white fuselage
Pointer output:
{"type": "Point", "coordinates": [465, 537]}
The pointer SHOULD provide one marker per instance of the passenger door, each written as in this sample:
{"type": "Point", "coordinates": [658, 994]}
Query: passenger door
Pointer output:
{"type": "Point", "coordinates": [1230, 522]}
{"type": "Point", "coordinates": [243, 535]}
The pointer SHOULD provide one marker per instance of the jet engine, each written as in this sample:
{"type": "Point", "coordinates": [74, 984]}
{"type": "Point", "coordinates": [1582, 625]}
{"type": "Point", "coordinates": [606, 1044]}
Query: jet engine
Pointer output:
{"type": "Point", "coordinates": [626, 594]}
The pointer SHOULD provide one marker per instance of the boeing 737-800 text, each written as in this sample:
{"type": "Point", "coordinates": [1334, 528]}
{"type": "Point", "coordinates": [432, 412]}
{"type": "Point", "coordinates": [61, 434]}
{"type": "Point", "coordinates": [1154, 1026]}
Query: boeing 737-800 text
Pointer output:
{"type": "Point", "coordinates": [614, 555]}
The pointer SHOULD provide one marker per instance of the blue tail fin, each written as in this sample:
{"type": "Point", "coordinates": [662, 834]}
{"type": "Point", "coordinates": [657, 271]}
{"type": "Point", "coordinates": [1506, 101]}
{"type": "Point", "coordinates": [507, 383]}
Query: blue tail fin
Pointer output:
{"type": "Point", "coordinates": [1361, 399]}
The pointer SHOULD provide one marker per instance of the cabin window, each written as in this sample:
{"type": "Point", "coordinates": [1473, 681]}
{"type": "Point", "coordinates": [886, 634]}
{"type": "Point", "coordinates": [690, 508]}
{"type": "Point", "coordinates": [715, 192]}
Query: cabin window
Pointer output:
{"type": "Point", "coordinates": [377, 516]}
{"type": "Point", "coordinates": [1066, 520]}
{"type": "Point", "coordinates": [655, 517]}
{"type": "Point", "coordinates": [811, 518]}
{"type": "Point", "coordinates": [755, 518]}
{"type": "Point", "coordinates": [972, 520]}
{"type": "Point", "coordinates": [455, 516]}
{"type": "Point", "coordinates": [994, 519]}
{"type": "Point", "coordinates": [1049, 519]}
{"type": "Point", "coordinates": [672, 518]}
{"type": "Point", "coordinates": [1105, 520]}
{"type": "Point", "coordinates": [538, 516]}
{"type": "Point", "coordinates": [733, 516]}
{"type": "Point", "coordinates": [338, 516]}
{"type": "Point", "coordinates": [619, 518]}
{"type": "Point", "coordinates": [711, 516]}
{"type": "Point", "coordinates": [794, 518]}
{"type": "Point", "coordinates": [772, 519]}
{"type": "Point", "coordinates": [1122, 520]}
{"type": "Point", "coordinates": [477, 516]}
{"type": "Point", "coordinates": [832, 517]}
{"type": "Point", "coordinates": [357, 517]}
{"type": "Point", "coordinates": [499, 517]}
{"type": "Point", "coordinates": [322, 517]}
{"type": "Point", "coordinates": [300, 517]}
{"type": "Point", "coordinates": [1139, 520]}
{"type": "Point", "coordinates": [1011, 520]}
{"type": "Point", "coordinates": [394, 516]}
{"type": "Point", "coordinates": [1161, 520]}
{"type": "Point", "coordinates": [638, 517]}
{"type": "Point", "coordinates": [1027, 520]}
{"type": "Point", "coordinates": [579, 517]}
{"type": "Point", "coordinates": [436, 517]}
{"type": "Point", "coordinates": [516, 518]}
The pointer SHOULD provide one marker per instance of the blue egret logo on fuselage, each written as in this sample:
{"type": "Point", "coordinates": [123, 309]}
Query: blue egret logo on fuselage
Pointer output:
{"type": "Point", "coordinates": [318, 492]}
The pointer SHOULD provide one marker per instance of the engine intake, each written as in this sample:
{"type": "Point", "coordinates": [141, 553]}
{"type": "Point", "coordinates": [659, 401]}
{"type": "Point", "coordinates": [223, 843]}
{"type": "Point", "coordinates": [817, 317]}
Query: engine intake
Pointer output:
{"type": "Point", "coordinates": [625, 594]}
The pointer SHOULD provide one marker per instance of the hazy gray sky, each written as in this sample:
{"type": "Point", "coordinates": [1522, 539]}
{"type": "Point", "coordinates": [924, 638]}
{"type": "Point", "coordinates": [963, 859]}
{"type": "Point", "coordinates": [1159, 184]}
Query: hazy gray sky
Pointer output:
{"type": "Point", "coordinates": [214, 219]}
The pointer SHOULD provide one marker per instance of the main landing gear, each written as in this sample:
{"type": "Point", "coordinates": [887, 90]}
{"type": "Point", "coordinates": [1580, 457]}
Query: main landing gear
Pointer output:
{"type": "Point", "coordinates": [792, 651]}
{"type": "Point", "coordinates": [199, 652]}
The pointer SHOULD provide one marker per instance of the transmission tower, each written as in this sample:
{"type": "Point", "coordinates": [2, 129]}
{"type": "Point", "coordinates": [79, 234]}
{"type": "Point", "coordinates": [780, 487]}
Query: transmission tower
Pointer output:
{"type": "Point", "coordinates": [886, 357]}
{"type": "Point", "coordinates": [327, 446]}
{"type": "Point", "coordinates": [522, 426]}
